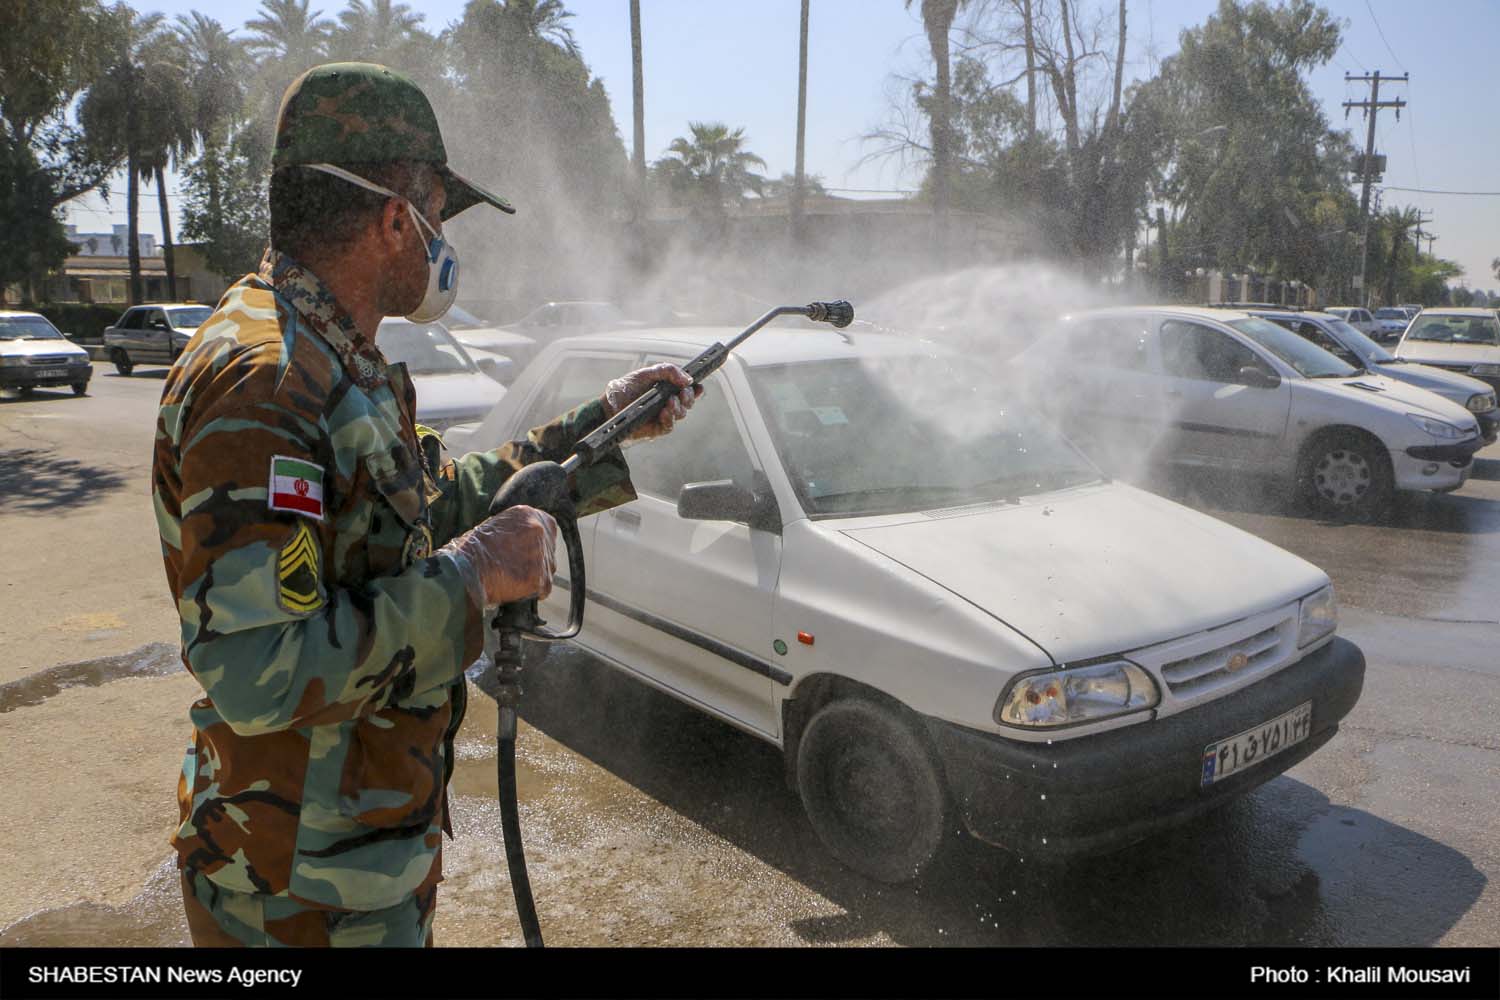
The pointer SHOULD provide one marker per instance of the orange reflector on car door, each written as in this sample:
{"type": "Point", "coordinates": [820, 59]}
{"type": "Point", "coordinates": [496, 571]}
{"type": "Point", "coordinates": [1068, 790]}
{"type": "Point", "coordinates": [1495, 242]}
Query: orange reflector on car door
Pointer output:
{"type": "Point", "coordinates": [805, 638]}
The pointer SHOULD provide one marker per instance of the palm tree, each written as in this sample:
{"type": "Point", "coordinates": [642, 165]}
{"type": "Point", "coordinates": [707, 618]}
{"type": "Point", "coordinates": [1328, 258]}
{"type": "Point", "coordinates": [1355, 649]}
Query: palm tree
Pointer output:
{"type": "Point", "coordinates": [1398, 222]}
{"type": "Point", "coordinates": [712, 167]}
{"type": "Point", "coordinates": [543, 19]}
{"type": "Point", "coordinates": [116, 116]}
{"type": "Point", "coordinates": [216, 69]}
{"type": "Point", "coordinates": [166, 124]}
{"type": "Point", "coordinates": [937, 20]}
{"type": "Point", "coordinates": [289, 33]}
{"type": "Point", "coordinates": [376, 30]}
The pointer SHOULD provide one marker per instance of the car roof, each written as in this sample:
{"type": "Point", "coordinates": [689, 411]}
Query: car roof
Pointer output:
{"type": "Point", "coordinates": [172, 305]}
{"type": "Point", "coordinates": [1459, 311]}
{"type": "Point", "coordinates": [20, 313]}
{"type": "Point", "coordinates": [769, 346]}
{"type": "Point", "coordinates": [1193, 312]}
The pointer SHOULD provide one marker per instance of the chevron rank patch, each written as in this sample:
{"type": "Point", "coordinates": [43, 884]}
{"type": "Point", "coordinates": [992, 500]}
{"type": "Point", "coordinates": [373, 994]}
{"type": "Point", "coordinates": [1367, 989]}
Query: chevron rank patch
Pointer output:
{"type": "Point", "coordinates": [296, 486]}
{"type": "Point", "coordinates": [298, 587]}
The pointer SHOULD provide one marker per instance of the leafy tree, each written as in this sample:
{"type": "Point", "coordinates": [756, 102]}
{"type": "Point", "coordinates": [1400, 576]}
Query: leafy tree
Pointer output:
{"type": "Point", "coordinates": [48, 54]}
{"type": "Point", "coordinates": [1495, 266]}
{"type": "Point", "coordinates": [710, 168]}
{"type": "Point", "coordinates": [937, 21]}
{"type": "Point", "coordinates": [225, 208]}
{"type": "Point", "coordinates": [216, 69]}
{"type": "Point", "coordinates": [381, 31]}
{"type": "Point", "coordinates": [290, 34]}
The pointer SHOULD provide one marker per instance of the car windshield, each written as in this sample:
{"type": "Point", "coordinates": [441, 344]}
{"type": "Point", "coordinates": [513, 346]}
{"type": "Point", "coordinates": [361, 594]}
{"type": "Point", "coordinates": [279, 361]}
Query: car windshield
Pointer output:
{"type": "Point", "coordinates": [190, 319]}
{"type": "Point", "coordinates": [426, 348]}
{"type": "Point", "coordinates": [600, 312]}
{"type": "Point", "coordinates": [1355, 339]}
{"type": "Point", "coordinates": [867, 437]}
{"type": "Point", "coordinates": [28, 328]}
{"type": "Point", "coordinates": [1456, 329]}
{"type": "Point", "coordinates": [1390, 314]}
{"type": "Point", "coordinates": [1310, 360]}
{"type": "Point", "coordinates": [459, 318]}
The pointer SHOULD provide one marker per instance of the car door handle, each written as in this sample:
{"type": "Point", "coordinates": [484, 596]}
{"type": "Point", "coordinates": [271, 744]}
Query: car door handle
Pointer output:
{"type": "Point", "coordinates": [628, 519]}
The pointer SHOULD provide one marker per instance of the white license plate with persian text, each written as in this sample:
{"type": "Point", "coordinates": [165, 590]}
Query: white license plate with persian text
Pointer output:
{"type": "Point", "coordinates": [52, 373]}
{"type": "Point", "coordinates": [1235, 753]}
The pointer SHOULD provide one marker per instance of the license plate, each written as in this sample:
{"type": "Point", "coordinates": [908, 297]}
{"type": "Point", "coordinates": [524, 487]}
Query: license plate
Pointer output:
{"type": "Point", "coordinates": [52, 373]}
{"type": "Point", "coordinates": [1235, 753]}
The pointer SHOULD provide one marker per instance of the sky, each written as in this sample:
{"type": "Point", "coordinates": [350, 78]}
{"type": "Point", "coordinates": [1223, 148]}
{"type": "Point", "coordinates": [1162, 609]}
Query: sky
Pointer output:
{"type": "Point", "coordinates": [736, 61]}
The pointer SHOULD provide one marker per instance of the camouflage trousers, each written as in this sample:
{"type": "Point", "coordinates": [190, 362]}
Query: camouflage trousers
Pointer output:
{"type": "Point", "coordinates": [222, 918]}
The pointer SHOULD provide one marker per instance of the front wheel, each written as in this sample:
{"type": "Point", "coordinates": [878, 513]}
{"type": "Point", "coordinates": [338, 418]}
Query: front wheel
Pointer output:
{"type": "Point", "coordinates": [122, 361]}
{"type": "Point", "coordinates": [872, 789]}
{"type": "Point", "coordinates": [1346, 473]}
{"type": "Point", "coordinates": [80, 388]}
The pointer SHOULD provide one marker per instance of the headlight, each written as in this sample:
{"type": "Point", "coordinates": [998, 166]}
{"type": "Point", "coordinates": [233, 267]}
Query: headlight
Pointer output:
{"type": "Point", "coordinates": [1317, 616]}
{"type": "Point", "coordinates": [1490, 370]}
{"type": "Point", "coordinates": [1436, 428]}
{"type": "Point", "coordinates": [12, 362]}
{"type": "Point", "coordinates": [80, 359]}
{"type": "Point", "coordinates": [1082, 694]}
{"type": "Point", "coordinates": [1481, 402]}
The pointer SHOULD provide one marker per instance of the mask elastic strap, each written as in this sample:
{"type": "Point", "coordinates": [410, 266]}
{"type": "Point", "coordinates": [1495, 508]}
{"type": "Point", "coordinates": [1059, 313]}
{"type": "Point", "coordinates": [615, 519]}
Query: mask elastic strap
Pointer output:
{"type": "Point", "coordinates": [358, 181]}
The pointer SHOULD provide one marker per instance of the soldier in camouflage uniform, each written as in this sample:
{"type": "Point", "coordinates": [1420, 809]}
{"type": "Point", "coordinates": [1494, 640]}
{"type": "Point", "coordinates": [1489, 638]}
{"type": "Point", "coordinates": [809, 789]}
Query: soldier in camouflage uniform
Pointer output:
{"type": "Point", "coordinates": [330, 573]}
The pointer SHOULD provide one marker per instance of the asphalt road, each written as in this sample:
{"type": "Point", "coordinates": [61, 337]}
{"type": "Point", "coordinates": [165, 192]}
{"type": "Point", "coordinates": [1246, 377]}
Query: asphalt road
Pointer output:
{"type": "Point", "coordinates": [650, 824]}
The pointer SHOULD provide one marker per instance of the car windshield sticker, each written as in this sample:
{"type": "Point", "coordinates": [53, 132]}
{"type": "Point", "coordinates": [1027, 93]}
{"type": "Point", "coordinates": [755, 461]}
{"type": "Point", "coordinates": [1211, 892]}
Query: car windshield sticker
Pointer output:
{"type": "Point", "coordinates": [829, 415]}
{"type": "Point", "coordinates": [296, 486]}
{"type": "Point", "coordinates": [297, 584]}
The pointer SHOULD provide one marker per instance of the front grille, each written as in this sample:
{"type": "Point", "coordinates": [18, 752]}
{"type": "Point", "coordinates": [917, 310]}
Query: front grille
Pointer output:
{"type": "Point", "coordinates": [50, 360]}
{"type": "Point", "coordinates": [1192, 674]}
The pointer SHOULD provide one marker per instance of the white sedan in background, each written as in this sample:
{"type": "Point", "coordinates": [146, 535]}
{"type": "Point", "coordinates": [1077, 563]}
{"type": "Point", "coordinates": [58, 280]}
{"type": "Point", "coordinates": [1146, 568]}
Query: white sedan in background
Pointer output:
{"type": "Point", "coordinates": [1460, 340]}
{"type": "Point", "coordinates": [451, 388]}
{"type": "Point", "coordinates": [1222, 389]}
{"type": "Point", "coordinates": [858, 551]}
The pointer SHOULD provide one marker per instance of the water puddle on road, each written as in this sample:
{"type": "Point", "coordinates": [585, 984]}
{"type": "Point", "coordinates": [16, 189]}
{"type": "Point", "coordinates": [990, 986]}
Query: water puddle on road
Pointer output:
{"type": "Point", "coordinates": [159, 659]}
{"type": "Point", "coordinates": [152, 919]}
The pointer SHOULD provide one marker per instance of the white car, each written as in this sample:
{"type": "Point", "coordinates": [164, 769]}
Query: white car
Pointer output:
{"type": "Point", "coordinates": [938, 609]}
{"type": "Point", "coordinates": [1460, 340]}
{"type": "Point", "coordinates": [1348, 344]}
{"type": "Point", "coordinates": [450, 386]}
{"type": "Point", "coordinates": [153, 334]}
{"type": "Point", "coordinates": [34, 353]}
{"type": "Point", "coordinates": [482, 339]}
{"type": "Point", "coordinates": [1223, 389]}
{"type": "Point", "coordinates": [1356, 317]}
{"type": "Point", "coordinates": [1390, 321]}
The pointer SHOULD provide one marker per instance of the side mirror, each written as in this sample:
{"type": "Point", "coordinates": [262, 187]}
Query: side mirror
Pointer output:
{"type": "Point", "coordinates": [726, 500]}
{"type": "Point", "coordinates": [1258, 378]}
{"type": "Point", "coordinates": [502, 370]}
{"type": "Point", "coordinates": [160, 324]}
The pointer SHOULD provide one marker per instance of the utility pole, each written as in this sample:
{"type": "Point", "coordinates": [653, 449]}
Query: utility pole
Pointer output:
{"type": "Point", "coordinates": [1421, 220]}
{"type": "Point", "coordinates": [798, 204]}
{"type": "Point", "coordinates": [1367, 170]}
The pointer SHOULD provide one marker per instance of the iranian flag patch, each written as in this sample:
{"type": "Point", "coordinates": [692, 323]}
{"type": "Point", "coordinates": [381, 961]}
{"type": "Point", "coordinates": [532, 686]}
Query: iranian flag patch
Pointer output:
{"type": "Point", "coordinates": [296, 486]}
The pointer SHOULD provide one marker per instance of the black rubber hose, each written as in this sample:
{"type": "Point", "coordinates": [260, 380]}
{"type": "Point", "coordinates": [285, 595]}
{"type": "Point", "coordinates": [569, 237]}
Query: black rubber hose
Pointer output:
{"type": "Point", "coordinates": [510, 826]}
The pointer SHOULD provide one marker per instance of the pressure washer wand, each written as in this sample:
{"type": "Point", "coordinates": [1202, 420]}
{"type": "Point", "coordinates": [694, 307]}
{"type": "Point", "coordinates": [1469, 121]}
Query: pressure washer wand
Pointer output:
{"type": "Point", "coordinates": [545, 486]}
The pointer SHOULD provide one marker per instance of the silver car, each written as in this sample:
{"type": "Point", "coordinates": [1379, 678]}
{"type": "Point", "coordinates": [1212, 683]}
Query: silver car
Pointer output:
{"type": "Point", "coordinates": [1460, 340]}
{"type": "Point", "coordinates": [1356, 317]}
{"type": "Point", "coordinates": [1346, 343]}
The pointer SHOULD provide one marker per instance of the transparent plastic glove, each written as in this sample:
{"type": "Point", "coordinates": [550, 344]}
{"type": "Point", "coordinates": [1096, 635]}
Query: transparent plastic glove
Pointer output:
{"type": "Point", "coordinates": [624, 390]}
{"type": "Point", "coordinates": [506, 558]}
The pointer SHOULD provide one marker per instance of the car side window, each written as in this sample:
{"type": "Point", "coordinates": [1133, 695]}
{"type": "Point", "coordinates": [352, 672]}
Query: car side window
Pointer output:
{"type": "Point", "coordinates": [576, 380]}
{"type": "Point", "coordinates": [132, 319]}
{"type": "Point", "coordinates": [1315, 334]}
{"type": "Point", "coordinates": [705, 447]}
{"type": "Point", "coordinates": [1112, 343]}
{"type": "Point", "coordinates": [1189, 350]}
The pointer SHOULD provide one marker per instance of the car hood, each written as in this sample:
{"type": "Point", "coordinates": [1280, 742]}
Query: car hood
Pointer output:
{"type": "Point", "coordinates": [459, 396]}
{"type": "Point", "coordinates": [1395, 396]}
{"type": "Point", "coordinates": [39, 348]}
{"type": "Point", "coordinates": [1097, 570]}
{"type": "Point", "coordinates": [1433, 379]}
{"type": "Point", "coordinates": [1435, 353]}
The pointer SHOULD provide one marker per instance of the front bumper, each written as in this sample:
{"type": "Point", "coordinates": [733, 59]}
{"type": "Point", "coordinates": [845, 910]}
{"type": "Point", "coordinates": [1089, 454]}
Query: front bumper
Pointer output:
{"type": "Point", "coordinates": [1458, 455]}
{"type": "Point", "coordinates": [1489, 425]}
{"type": "Point", "coordinates": [1100, 793]}
{"type": "Point", "coordinates": [25, 376]}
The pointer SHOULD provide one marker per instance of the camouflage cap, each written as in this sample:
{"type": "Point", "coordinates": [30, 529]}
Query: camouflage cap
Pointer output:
{"type": "Point", "coordinates": [349, 113]}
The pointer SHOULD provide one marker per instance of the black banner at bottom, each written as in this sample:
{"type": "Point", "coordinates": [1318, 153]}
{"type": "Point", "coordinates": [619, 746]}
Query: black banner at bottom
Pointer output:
{"type": "Point", "coordinates": [461, 973]}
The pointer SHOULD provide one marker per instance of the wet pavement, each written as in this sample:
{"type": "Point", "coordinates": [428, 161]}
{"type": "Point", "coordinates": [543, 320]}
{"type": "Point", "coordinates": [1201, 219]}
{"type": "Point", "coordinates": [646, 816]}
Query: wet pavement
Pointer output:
{"type": "Point", "coordinates": [650, 824]}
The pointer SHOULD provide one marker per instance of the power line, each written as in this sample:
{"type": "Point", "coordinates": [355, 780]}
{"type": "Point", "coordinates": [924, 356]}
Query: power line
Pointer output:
{"type": "Point", "coordinates": [1382, 36]}
{"type": "Point", "coordinates": [1476, 194]}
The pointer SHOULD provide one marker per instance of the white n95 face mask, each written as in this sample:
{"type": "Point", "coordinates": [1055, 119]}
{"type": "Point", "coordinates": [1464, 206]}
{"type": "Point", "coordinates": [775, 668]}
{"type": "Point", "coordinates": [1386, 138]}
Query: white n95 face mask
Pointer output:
{"type": "Point", "coordinates": [442, 258]}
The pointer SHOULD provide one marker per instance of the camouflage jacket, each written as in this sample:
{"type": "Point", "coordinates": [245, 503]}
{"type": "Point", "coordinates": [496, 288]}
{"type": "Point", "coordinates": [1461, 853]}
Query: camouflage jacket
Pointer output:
{"type": "Point", "coordinates": [298, 519]}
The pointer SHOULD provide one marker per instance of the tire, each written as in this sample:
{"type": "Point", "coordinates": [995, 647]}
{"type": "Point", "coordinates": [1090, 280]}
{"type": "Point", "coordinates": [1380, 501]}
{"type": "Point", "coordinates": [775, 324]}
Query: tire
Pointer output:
{"type": "Point", "coordinates": [26, 391]}
{"type": "Point", "coordinates": [122, 361]}
{"type": "Point", "coordinates": [80, 388]}
{"type": "Point", "coordinates": [1346, 472]}
{"type": "Point", "coordinates": [872, 789]}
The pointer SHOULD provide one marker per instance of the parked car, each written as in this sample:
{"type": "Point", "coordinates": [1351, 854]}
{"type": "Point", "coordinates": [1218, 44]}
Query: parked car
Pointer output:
{"type": "Point", "coordinates": [939, 614]}
{"type": "Point", "coordinates": [1460, 340]}
{"type": "Point", "coordinates": [477, 335]}
{"type": "Point", "coordinates": [451, 388]}
{"type": "Point", "coordinates": [152, 334]}
{"type": "Point", "coordinates": [1356, 317]}
{"type": "Point", "coordinates": [1232, 391]}
{"type": "Point", "coordinates": [34, 353]}
{"type": "Point", "coordinates": [1391, 321]}
{"type": "Point", "coordinates": [555, 320]}
{"type": "Point", "coordinates": [1347, 344]}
